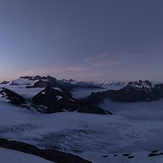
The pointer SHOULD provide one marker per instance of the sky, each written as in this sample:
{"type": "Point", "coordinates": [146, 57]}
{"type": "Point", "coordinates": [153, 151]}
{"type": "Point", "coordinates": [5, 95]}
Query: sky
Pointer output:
{"type": "Point", "coordinates": [91, 40]}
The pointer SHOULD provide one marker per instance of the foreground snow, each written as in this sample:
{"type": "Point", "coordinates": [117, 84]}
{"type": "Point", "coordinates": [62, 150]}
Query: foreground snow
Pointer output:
{"type": "Point", "coordinates": [135, 129]}
{"type": "Point", "coordinates": [136, 157]}
{"type": "Point", "coordinates": [11, 156]}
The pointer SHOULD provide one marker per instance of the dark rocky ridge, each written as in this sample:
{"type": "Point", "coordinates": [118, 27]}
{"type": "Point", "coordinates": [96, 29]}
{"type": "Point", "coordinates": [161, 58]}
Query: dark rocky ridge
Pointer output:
{"type": "Point", "coordinates": [49, 154]}
{"type": "Point", "coordinates": [12, 97]}
{"type": "Point", "coordinates": [132, 92]}
{"type": "Point", "coordinates": [5, 82]}
{"type": "Point", "coordinates": [50, 101]}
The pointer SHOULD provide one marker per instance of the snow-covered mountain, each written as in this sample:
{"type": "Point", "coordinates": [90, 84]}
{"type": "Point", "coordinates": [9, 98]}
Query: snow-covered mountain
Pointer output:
{"type": "Point", "coordinates": [38, 81]}
{"type": "Point", "coordinates": [42, 82]}
{"type": "Point", "coordinates": [133, 92]}
{"type": "Point", "coordinates": [116, 91]}
{"type": "Point", "coordinates": [132, 134]}
{"type": "Point", "coordinates": [107, 83]}
{"type": "Point", "coordinates": [50, 100]}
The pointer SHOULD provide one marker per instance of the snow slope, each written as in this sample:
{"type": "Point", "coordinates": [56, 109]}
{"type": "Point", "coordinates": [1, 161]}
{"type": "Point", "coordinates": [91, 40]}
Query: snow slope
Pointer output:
{"type": "Point", "coordinates": [11, 156]}
{"type": "Point", "coordinates": [136, 157]}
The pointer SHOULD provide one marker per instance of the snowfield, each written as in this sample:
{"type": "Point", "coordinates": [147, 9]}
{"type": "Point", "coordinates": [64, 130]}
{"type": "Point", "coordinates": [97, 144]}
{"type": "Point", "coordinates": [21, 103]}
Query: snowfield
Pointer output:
{"type": "Point", "coordinates": [128, 136]}
{"type": "Point", "coordinates": [11, 156]}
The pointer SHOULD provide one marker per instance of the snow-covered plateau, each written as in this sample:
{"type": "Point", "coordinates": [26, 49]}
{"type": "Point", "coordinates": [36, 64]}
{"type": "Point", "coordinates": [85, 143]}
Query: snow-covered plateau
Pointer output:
{"type": "Point", "coordinates": [132, 134]}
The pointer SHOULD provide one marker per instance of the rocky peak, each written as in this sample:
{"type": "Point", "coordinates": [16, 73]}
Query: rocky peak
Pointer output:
{"type": "Point", "coordinates": [27, 77]}
{"type": "Point", "coordinates": [37, 77]}
{"type": "Point", "coordinates": [51, 100]}
{"type": "Point", "coordinates": [12, 97]}
{"type": "Point", "coordinates": [5, 82]}
{"type": "Point", "coordinates": [142, 85]}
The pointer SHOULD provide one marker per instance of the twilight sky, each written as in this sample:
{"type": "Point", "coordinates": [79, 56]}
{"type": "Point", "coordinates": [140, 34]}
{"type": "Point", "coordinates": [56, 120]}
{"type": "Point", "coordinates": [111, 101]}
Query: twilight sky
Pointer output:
{"type": "Point", "coordinates": [82, 39]}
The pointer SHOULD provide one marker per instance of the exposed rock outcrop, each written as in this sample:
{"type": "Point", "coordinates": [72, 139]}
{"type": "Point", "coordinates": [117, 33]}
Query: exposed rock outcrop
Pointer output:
{"type": "Point", "coordinates": [51, 100]}
{"type": "Point", "coordinates": [12, 97]}
{"type": "Point", "coordinates": [5, 82]}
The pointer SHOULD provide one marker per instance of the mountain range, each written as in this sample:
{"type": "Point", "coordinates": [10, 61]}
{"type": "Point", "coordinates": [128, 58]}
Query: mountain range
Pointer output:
{"type": "Point", "coordinates": [56, 95]}
{"type": "Point", "coordinates": [38, 81]}
{"type": "Point", "coordinates": [132, 92]}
